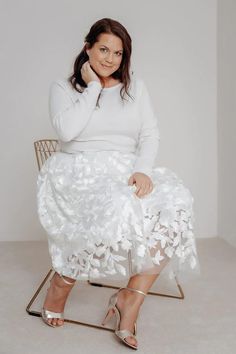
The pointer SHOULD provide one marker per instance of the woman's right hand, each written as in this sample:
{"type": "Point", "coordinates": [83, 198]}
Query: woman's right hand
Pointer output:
{"type": "Point", "coordinates": [88, 73]}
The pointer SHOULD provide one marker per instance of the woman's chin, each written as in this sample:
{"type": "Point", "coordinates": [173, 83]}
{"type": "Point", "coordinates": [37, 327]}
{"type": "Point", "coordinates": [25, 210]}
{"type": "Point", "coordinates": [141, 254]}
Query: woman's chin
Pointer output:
{"type": "Point", "coordinates": [103, 77]}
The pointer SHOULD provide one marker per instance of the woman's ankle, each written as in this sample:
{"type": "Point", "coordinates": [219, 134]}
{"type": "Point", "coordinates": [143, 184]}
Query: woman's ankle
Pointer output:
{"type": "Point", "coordinates": [132, 298]}
{"type": "Point", "coordinates": [63, 281]}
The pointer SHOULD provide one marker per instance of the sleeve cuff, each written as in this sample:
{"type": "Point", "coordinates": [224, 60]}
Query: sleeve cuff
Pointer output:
{"type": "Point", "coordinates": [147, 171]}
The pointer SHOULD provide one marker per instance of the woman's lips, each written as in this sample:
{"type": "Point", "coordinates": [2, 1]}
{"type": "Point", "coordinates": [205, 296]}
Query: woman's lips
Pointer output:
{"type": "Point", "coordinates": [106, 67]}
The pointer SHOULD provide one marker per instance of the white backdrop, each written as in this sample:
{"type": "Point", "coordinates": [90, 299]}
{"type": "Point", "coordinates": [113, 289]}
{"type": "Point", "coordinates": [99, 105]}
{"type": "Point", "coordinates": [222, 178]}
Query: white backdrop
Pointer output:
{"type": "Point", "coordinates": [174, 51]}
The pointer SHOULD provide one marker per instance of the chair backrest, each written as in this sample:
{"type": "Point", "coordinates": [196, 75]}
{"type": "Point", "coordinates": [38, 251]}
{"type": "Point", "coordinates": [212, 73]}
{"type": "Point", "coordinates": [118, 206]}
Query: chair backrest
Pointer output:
{"type": "Point", "coordinates": [45, 148]}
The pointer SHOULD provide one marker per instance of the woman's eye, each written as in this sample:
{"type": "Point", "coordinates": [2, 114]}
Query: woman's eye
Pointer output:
{"type": "Point", "coordinates": [105, 49]}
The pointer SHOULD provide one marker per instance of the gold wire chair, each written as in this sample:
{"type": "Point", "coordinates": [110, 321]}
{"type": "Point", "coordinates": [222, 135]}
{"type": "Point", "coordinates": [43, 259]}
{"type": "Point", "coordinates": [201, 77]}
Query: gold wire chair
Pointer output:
{"type": "Point", "coordinates": [43, 149]}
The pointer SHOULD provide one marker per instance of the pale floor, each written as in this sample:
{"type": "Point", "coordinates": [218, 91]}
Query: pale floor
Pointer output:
{"type": "Point", "coordinates": [203, 323]}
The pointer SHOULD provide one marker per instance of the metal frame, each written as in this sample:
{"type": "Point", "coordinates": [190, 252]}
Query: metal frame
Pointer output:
{"type": "Point", "coordinates": [38, 313]}
{"type": "Point", "coordinates": [43, 149]}
{"type": "Point", "coordinates": [180, 297]}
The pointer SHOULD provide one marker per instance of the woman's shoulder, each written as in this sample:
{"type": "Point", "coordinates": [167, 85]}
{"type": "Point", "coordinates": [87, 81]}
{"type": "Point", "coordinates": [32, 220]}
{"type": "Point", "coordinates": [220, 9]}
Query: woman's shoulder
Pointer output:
{"type": "Point", "coordinates": [65, 87]}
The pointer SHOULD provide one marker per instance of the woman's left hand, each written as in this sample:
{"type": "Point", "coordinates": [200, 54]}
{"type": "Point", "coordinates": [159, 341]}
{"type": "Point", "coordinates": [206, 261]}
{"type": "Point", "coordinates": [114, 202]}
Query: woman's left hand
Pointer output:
{"type": "Point", "coordinates": [143, 183]}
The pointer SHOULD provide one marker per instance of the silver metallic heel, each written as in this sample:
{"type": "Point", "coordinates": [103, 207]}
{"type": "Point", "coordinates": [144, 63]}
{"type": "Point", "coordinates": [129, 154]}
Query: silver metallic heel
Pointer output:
{"type": "Point", "coordinates": [113, 310]}
{"type": "Point", "coordinates": [46, 314]}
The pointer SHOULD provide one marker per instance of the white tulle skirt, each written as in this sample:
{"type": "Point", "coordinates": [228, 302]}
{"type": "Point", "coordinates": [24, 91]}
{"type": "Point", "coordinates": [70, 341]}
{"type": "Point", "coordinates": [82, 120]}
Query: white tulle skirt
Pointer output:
{"type": "Point", "coordinates": [98, 228]}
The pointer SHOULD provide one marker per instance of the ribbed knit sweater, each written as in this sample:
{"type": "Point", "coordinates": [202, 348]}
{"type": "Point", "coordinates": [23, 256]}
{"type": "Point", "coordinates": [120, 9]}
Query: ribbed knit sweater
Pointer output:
{"type": "Point", "coordinates": [129, 126]}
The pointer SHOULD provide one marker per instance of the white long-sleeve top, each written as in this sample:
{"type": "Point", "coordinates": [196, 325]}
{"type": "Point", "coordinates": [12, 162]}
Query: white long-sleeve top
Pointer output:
{"type": "Point", "coordinates": [129, 126]}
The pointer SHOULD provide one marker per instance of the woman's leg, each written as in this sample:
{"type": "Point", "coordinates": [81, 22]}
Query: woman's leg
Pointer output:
{"type": "Point", "coordinates": [129, 302]}
{"type": "Point", "coordinates": [57, 295]}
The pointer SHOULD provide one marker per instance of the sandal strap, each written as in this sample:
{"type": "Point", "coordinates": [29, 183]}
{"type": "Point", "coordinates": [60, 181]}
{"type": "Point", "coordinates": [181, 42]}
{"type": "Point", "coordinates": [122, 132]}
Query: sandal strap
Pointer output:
{"type": "Point", "coordinates": [50, 314]}
{"type": "Point", "coordinates": [66, 281]}
{"type": "Point", "coordinates": [135, 290]}
{"type": "Point", "coordinates": [123, 333]}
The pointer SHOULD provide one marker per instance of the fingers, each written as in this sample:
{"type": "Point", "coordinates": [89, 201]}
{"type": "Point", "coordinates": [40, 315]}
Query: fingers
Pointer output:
{"type": "Point", "coordinates": [85, 64]}
{"type": "Point", "coordinates": [130, 181]}
{"type": "Point", "coordinates": [83, 72]}
{"type": "Point", "coordinates": [84, 67]}
{"type": "Point", "coordinates": [144, 189]}
{"type": "Point", "coordinates": [143, 182]}
{"type": "Point", "coordinates": [88, 74]}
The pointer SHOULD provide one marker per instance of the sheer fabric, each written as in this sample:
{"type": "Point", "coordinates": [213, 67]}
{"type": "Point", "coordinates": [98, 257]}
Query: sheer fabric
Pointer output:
{"type": "Point", "coordinates": [99, 229]}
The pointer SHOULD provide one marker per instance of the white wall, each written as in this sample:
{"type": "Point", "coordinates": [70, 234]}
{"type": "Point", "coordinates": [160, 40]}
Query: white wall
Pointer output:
{"type": "Point", "coordinates": [174, 51]}
{"type": "Point", "coordinates": [227, 120]}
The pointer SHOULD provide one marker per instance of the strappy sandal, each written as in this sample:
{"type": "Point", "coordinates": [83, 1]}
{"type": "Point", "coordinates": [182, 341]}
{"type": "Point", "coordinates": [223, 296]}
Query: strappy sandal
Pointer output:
{"type": "Point", "coordinates": [113, 309]}
{"type": "Point", "coordinates": [46, 314]}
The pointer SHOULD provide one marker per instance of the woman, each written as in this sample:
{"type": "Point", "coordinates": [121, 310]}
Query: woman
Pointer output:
{"type": "Point", "coordinates": [100, 198]}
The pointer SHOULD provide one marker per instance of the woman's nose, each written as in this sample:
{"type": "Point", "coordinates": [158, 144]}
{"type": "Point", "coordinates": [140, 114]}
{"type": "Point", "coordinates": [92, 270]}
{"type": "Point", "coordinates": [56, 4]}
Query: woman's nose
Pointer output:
{"type": "Point", "coordinates": [109, 58]}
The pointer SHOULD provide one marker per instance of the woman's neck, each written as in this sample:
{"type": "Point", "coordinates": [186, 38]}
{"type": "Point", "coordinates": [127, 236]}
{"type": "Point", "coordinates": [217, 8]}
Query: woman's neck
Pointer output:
{"type": "Point", "coordinates": [110, 82]}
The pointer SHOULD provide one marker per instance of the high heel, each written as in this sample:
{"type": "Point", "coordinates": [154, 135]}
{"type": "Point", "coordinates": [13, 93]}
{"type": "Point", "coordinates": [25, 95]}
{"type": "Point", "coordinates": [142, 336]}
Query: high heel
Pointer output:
{"type": "Point", "coordinates": [113, 310]}
{"type": "Point", "coordinates": [46, 314]}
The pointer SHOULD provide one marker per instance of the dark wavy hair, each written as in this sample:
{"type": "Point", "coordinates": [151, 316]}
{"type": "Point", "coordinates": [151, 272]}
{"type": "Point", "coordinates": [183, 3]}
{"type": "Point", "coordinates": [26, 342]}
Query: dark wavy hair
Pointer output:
{"type": "Point", "coordinates": [105, 25]}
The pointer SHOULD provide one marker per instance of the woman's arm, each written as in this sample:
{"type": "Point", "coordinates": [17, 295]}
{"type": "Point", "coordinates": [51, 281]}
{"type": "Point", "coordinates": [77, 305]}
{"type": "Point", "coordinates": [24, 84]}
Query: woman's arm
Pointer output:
{"type": "Point", "coordinates": [70, 118]}
{"type": "Point", "coordinates": [149, 135]}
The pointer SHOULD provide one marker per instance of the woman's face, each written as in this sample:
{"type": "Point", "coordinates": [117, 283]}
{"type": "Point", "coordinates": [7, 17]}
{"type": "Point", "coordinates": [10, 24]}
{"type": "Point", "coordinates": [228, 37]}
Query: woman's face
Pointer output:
{"type": "Point", "coordinates": [106, 55]}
